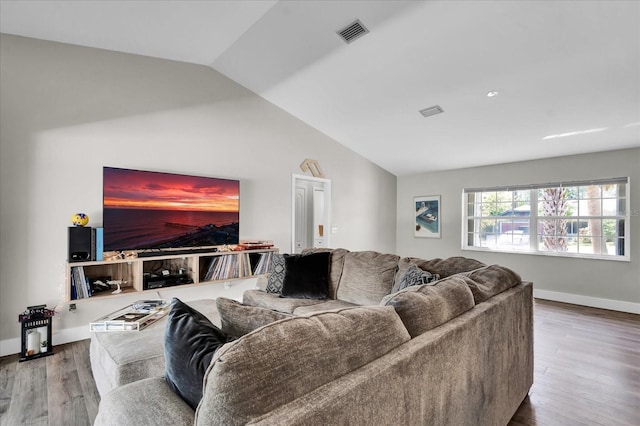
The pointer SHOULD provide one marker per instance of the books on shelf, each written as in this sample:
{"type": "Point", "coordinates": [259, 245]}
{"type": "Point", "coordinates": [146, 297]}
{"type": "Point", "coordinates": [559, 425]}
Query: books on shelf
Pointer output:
{"type": "Point", "coordinates": [135, 317]}
{"type": "Point", "coordinates": [80, 284]}
{"type": "Point", "coordinates": [239, 265]}
{"type": "Point", "coordinates": [262, 265]}
{"type": "Point", "coordinates": [222, 267]}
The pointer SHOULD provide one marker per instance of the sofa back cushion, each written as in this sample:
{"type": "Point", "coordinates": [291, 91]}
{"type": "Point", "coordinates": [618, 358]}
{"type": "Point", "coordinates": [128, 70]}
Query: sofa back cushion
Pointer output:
{"type": "Point", "coordinates": [284, 360]}
{"type": "Point", "coordinates": [367, 276]}
{"type": "Point", "coordinates": [490, 280]}
{"type": "Point", "coordinates": [427, 306]}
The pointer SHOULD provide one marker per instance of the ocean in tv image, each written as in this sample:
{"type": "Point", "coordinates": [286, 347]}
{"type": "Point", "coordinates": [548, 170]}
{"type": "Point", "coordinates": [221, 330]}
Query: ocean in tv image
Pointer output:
{"type": "Point", "coordinates": [154, 210]}
{"type": "Point", "coordinates": [143, 229]}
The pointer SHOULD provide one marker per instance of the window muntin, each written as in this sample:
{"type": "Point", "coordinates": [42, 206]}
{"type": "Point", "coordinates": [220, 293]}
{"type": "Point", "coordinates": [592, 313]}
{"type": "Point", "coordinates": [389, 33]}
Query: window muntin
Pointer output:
{"type": "Point", "coordinates": [585, 219]}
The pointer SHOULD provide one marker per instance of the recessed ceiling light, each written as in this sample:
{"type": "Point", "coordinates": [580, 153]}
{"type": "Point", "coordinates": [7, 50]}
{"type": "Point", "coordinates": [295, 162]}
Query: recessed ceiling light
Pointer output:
{"type": "Point", "coordinates": [492, 94]}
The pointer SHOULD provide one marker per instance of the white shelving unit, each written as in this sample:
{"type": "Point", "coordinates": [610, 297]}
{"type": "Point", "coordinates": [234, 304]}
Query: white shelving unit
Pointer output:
{"type": "Point", "coordinates": [193, 269]}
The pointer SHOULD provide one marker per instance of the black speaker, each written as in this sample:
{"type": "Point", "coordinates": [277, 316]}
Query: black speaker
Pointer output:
{"type": "Point", "coordinates": [80, 243]}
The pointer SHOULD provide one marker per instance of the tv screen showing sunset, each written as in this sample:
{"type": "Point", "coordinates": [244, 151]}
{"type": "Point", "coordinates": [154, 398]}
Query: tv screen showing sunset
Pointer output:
{"type": "Point", "coordinates": [151, 210]}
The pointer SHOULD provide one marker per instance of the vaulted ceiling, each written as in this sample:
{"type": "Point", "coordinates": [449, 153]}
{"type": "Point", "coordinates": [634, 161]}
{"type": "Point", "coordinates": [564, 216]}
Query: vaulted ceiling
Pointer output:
{"type": "Point", "coordinates": [566, 73]}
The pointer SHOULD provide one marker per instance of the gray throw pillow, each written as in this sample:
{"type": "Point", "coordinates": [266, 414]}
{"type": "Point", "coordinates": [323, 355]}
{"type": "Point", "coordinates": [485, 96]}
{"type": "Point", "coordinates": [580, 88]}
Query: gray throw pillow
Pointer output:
{"type": "Point", "coordinates": [416, 276]}
{"type": "Point", "coordinates": [276, 274]}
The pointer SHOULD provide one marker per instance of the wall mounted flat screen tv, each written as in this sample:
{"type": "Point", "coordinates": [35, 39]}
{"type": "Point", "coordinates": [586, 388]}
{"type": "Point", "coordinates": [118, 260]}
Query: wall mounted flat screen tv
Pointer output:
{"type": "Point", "coordinates": [154, 210]}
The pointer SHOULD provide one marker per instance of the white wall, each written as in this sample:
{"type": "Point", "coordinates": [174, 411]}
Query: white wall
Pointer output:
{"type": "Point", "coordinates": [601, 283]}
{"type": "Point", "coordinates": [67, 111]}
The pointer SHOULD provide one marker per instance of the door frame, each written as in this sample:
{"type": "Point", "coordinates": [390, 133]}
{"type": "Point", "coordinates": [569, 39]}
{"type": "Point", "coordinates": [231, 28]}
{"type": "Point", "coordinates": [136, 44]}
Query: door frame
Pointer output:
{"type": "Point", "coordinates": [326, 186]}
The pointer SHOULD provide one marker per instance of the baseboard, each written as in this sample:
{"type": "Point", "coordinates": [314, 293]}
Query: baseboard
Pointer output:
{"type": "Point", "coordinates": [594, 302]}
{"type": "Point", "coordinates": [60, 337]}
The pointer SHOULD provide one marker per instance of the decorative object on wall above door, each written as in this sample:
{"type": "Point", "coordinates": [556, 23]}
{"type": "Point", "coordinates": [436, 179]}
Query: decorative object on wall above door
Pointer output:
{"type": "Point", "coordinates": [312, 166]}
{"type": "Point", "coordinates": [427, 216]}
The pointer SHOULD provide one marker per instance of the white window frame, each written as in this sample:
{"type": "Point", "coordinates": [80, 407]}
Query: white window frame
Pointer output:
{"type": "Point", "coordinates": [534, 220]}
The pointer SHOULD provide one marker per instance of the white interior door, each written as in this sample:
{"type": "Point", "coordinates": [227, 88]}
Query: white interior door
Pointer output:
{"type": "Point", "coordinates": [311, 212]}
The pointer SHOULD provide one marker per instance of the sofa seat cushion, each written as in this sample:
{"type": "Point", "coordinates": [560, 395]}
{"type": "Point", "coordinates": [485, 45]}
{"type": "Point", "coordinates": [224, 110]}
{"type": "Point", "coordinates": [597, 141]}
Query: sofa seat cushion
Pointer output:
{"type": "Point", "coordinates": [490, 280]}
{"type": "Point", "coordinates": [145, 402]}
{"type": "Point", "coordinates": [287, 359]}
{"type": "Point", "coordinates": [367, 276]}
{"type": "Point", "coordinates": [122, 357]}
{"type": "Point", "coordinates": [238, 319]}
{"type": "Point", "coordinates": [287, 305]}
{"type": "Point", "coordinates": [329, 305]}
{"type": "Point", "coordinates": [427, 306]}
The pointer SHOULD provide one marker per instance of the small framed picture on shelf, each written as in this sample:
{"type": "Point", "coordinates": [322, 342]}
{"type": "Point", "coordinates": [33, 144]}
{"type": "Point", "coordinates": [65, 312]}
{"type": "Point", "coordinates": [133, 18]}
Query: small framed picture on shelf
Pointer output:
{"type": "Point", "coordinates": [427, 216]}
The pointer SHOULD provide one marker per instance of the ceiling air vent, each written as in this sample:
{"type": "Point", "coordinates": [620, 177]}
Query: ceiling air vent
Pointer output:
{"type": "Point", "coordinates": [428, 112]}
{"type": "Point", "coordinates": [353, 31]}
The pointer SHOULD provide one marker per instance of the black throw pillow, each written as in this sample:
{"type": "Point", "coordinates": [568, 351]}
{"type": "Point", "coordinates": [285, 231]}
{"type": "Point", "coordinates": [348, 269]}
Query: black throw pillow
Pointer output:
{"type": "Point", "coordinates": [190, 341]}
{"type": "Point", "coordinates": [306, 276]}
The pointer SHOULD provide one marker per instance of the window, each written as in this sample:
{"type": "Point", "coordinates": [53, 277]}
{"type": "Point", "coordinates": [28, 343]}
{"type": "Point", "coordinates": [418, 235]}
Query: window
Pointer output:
{"type": "Point", "coordinates": [579, 219]}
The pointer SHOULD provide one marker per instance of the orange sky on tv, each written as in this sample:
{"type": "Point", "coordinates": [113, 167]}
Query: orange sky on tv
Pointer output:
{"type": "Point", "coordinates": [158, 191]}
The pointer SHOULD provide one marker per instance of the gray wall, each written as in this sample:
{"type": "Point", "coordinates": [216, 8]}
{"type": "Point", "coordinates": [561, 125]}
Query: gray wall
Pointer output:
{"type": "Point", "coordinates": [67, 111]}
{"type": "Point", "coordinates": [604, 283]}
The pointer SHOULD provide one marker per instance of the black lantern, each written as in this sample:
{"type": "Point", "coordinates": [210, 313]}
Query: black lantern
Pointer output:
{"type": "Point", "coordinates": [36, 332]}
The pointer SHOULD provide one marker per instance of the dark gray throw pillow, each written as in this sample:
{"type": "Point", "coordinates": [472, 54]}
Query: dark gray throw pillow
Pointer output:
{"type": "Point", "coordinates": [306, 276]}
{"type": "Point", "coordinates": [276, 274]}
{"type": "Point", "coordinates": [190, 340]}
{"type": "Point", "coordinates": [416, 276]}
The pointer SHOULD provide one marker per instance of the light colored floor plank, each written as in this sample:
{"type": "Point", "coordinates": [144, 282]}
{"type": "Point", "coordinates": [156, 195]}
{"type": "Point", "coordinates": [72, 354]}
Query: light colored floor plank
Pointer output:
{"type": "Point", "coordinates": [587, 368]}
{"type": "Point", "coordinates": [29, 397]}
{"type": "Point", "coordinates": [66, 398]}
{"type": "Point", "coordinates": [88, 385]}
{"type": "Point", "coordinates": [8, 367]}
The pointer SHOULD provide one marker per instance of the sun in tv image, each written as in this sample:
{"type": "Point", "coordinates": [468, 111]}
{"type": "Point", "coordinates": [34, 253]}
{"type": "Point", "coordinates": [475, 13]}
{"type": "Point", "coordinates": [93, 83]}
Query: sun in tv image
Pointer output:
{"type": "Point", "coordinates": [154, 210]}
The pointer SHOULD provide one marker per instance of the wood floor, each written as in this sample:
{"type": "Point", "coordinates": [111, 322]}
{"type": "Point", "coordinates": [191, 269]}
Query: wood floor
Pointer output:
{"type": "Point", "coordinates": [587, 372]}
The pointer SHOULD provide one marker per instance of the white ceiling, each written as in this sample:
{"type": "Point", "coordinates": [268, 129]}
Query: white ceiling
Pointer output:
{"type": "Point", "coordinates": [559, 67]}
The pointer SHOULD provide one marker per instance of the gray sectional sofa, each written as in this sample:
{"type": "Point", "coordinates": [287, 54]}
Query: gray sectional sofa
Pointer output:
{"type": "Point", "coordinates": [455, 352]}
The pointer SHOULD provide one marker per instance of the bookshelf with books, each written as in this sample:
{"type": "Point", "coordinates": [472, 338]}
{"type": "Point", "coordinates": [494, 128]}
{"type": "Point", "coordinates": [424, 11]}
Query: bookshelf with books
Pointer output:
{"type": "Point", "coordinates": [100, 279]}
{"type": "Point", "coordinates": [240, 264]}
